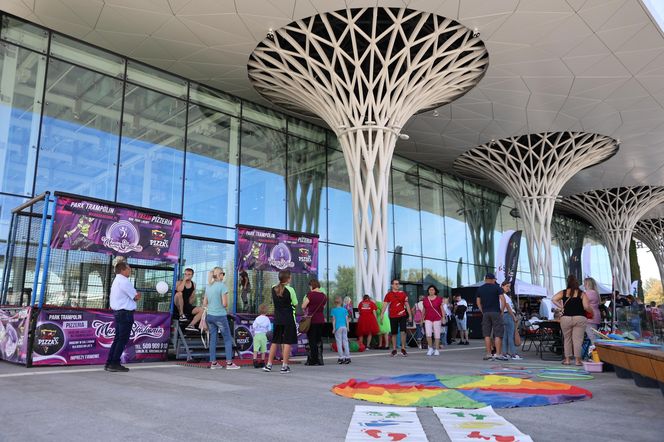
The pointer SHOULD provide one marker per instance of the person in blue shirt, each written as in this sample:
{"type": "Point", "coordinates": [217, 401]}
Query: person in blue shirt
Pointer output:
{"type": "Point", "coordinates": [216, 303]}
{"type": "Point", "coordinates": [340, 327]}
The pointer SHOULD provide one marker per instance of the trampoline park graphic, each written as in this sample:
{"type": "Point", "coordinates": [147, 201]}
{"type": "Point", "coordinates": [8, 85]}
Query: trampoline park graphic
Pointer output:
{"type": "Point", "coordinates": [460, 391]}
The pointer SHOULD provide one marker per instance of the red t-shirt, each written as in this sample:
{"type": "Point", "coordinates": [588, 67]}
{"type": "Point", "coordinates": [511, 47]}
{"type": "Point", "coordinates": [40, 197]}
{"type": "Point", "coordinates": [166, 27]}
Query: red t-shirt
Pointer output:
{"type": "Point", "coordinates": [397, 302]}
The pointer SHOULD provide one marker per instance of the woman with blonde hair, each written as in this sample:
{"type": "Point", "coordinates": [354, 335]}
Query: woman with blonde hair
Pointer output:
{"type": "Point", "coordinates": [216, 304]}
{"type": "Point", "coordinates": [593, 299]}
{"type": "Point", "coordinates": [573, 303]}
{"type": "Point", "coordinates": [284, 299]}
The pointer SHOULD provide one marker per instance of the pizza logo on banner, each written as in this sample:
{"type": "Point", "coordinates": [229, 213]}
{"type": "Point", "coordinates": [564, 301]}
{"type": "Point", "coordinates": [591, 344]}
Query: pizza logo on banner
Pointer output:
{"type": "Point", "coordinates": [280, 257]}
{"type": "Point", "coordinates": [49, 339]}
{"type": "Point", "coordinates": [123, 237]}
{"type": "Point", "coordinates": [243, 338]}
{"type": "Point", "coordinates": [158, 240]}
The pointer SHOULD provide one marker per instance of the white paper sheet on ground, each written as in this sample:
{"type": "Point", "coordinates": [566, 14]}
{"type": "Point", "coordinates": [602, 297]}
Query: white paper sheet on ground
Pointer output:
{"type": "Point", "coordinates": [482, 424]}
{"type": "Point", "coordinates": [385, 424]}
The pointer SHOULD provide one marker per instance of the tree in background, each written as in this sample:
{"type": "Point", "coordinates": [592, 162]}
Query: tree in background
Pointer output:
{"type": "Point", "coordinates": [653, 291]}
{"type": "Point", "coordinates": [344, 283]}
{"type": "Point", "coordinates": [634, 269]}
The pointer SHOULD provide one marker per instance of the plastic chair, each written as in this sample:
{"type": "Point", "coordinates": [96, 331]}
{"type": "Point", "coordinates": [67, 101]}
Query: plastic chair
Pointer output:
{"type": "Point", "coordinates": [550, 340]}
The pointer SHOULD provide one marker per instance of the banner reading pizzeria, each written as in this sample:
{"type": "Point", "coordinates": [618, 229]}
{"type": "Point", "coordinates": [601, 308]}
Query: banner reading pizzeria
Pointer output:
{"type": "Point", "coordinates": [81, 337]}
{"type": "Point", "coordinates": [274, 250]}
{"type": "Point", "coordinates": [102, 227]}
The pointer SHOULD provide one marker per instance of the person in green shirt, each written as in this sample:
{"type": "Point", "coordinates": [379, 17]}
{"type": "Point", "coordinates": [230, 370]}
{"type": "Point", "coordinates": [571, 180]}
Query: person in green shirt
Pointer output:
{"type": "Point", "coordinates": [284, 299]}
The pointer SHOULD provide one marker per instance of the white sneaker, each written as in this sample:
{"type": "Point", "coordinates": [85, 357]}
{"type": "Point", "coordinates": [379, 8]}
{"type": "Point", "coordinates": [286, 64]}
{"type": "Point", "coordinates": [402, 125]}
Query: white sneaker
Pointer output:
{"type": "Point", "coordinates": [232, 366]}
{"type": "Point", "coordinates": [430, 351]}
{"type": "Point", "coordinates": [516, 358]}
{"type": "Point", "coordinates": [436, 353]}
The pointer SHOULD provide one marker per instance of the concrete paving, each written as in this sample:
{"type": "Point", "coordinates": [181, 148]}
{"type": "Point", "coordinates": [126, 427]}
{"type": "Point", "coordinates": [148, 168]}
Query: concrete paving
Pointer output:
{"type": "Point", "coordinates": [164, 401]}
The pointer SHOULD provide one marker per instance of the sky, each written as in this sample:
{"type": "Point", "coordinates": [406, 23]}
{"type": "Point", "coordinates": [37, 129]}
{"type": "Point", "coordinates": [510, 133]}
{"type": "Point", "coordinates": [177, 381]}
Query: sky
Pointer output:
{"type": "Point", "coordinates": [647, 264]}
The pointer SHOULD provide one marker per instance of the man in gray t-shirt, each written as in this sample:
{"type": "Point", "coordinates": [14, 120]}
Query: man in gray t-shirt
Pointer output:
{"type": "Point", "coordinates": [491, 303]}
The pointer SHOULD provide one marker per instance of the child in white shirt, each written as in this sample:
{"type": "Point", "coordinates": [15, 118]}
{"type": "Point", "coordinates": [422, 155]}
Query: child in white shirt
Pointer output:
{"type": "Point", "coordinates": [260, 327]}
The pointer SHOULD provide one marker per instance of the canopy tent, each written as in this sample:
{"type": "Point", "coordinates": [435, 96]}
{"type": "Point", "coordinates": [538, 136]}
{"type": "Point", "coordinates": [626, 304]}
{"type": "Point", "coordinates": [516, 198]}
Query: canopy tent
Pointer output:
{"type": "Point", "coordinates": [521, 288]}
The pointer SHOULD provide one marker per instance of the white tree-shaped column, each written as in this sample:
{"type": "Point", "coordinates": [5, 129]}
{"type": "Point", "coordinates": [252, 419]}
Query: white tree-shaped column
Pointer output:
{"type": "Point", "coordinates": [651, 233]}
{"type": "Point", "coordinates": [614, 212]}
{"type": "Point", "coordinates": [365, 72]}
{"type": "Point", "coordinates": [532, 169]}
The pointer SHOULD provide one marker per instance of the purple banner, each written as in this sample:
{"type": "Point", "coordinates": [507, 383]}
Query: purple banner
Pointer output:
{"type": "Point", "coordinates": [81, 337]}
{"type": "Point", "coordinates": [114, 230]}
{"type": "Point", "coordinates": [244, 338]}
{"type": "Point", "coordinates": [273, 250]}
{"type": "Point", "coordinates": [14, 327]}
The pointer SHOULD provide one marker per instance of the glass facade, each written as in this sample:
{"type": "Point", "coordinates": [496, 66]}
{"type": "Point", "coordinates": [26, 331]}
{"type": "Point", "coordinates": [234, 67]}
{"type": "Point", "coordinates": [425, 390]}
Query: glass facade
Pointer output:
{"type": "Point", "coordinates": [79, 119]}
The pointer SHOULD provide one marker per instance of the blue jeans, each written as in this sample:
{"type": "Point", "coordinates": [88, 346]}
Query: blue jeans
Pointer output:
{"type": "Point", "coordinates": [216, 323]}
{"type": "Point", "coordinates": [124, 321]}
{"type": "Point", "coordinates": [508, 335]}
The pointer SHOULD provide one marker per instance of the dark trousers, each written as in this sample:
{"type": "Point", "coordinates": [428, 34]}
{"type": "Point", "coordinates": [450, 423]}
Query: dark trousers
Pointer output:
{"type": "Point", "coordinates": [315, 348]}
{"type": "Point", "coordinates": [124, 321]}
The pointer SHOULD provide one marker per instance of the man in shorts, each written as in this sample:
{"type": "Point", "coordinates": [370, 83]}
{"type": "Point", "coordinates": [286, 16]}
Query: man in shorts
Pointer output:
{"type": "Point", "coordinates": [399, 314]}
{"type": "Point", "coordinates": [491, 303]}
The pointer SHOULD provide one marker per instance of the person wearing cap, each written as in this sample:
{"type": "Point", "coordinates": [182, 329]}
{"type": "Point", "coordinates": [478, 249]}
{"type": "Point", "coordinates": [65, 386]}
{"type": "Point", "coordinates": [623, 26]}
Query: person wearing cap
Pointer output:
{"type": "Point", "coordinates": [491, 303]}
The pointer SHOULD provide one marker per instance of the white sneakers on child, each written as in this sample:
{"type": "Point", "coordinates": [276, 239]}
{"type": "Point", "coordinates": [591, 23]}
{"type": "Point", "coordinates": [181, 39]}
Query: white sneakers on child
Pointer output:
{"type": "Point", "coordinates": [430, 351]}
{"type": "Point", "coordinates": [436, 353]}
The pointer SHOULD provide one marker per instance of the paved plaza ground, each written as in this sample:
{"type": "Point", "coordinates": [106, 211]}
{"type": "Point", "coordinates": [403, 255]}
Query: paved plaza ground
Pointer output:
{"type": "Point", "coordinates": [165, 401]}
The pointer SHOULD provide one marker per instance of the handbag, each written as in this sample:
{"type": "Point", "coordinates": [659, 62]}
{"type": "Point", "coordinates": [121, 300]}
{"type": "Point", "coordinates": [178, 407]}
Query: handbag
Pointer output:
{"type": "Point", "coordinates": [305, 323]}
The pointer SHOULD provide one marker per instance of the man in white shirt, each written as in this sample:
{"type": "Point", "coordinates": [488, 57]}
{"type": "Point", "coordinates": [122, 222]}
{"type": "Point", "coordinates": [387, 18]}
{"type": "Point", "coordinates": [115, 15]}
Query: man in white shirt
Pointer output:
{"type": "Point", "coordinates": [123, 302]}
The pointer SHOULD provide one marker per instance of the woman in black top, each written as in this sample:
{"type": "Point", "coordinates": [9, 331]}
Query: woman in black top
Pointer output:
{"type": "Point", "coordinates": [285, 331]}
{"type": "Point", "coordinates": [574, 304]}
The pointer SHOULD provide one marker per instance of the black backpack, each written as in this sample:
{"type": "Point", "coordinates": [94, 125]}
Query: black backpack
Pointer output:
{"type": "Point", "coordinates": [460, 310]}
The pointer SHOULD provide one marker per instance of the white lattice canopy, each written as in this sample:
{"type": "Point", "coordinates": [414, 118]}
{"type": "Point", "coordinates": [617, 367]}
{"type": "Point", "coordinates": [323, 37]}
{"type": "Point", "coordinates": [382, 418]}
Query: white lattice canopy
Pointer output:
{"type": "Point", "coordinates": [651, 233]}
{"type": "Point", "coordinates": [365, 72]}
{"type": "Point", "coordinates": [614, 213]}
{"type": "Point", "coordinates": [532, 169]}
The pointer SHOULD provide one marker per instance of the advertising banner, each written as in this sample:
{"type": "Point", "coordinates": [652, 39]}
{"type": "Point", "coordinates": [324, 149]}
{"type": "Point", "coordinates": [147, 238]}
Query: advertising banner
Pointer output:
{"type": "Point", "coordinates": [575, 263]}
{"type": "Point", "coordinates": [114, 230]}
{"type": "Point", "coordinates": [273, 250]}
{"type": "Point", "coordinates": [512, 256]}
{"type": "Point", "coordinates": [81, 337]}
{"type": "Point", "coordinates": [244, 338]}
{"type": "Point", "coordinates": [14, 327]}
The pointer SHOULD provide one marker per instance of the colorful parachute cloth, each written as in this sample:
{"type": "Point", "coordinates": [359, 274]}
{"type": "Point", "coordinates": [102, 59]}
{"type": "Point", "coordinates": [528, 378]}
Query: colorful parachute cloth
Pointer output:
{"type": "Point", "coordinates": [460, 391]}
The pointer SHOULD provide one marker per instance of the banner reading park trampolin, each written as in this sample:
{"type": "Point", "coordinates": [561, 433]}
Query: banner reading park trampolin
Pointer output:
{"type": "Point", "coordinates": [103, 227]}
{"type": "Point", "coordinates": [274, 250]}
{"type": "Point", "coordinates": [81, 337]}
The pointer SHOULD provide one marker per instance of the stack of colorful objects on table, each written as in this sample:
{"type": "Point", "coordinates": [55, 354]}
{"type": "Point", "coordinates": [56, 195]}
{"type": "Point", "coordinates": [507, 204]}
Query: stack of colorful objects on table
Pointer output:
{"type": "Point", "coordinates": [460, 391]}
{"type": "Point", "coordinates": [626, 343]}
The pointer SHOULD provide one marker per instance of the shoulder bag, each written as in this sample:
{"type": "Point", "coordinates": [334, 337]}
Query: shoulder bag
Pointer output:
{"type": "Point", "coordinates": [305, 323]}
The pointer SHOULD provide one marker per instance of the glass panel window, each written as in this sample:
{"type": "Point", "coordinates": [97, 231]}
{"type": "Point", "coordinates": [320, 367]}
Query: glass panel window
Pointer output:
{"type": "Point", "coordinates": [435, 272]}
{"type": "Point", "coordinates": [262, 115]}
{"type": "Point", "coordinates": [340, 203]}
{"type": "Point", "coordinates": [433, 219]}
{"type": "Point", "coordinates": [157, 80]}
{"type": "Point", "coordinates": [21, 89]}
{"type": "Point", "coordinates": [455, 225]}
{"type": "Point", "coordinates": [406, 205]}
{"type": "Point", "coordinates": [263, 177]}
{"type": "Point", "coordinates": [341, 272]}
{"type": "Point", "coordinates": [214, 99]}
{"type": "Point", "coordinates": [207, 231]}
{"type": "Point", "coordinates": [211, 167]}
{"type": "Point", "coordinates": [24, 34]}
{"type": "Point", "coordinates": [306, 130]}
{"type": "Point", "coordinates": [152, 151]}
{"type": "Point", "coordinates": [87, 56]}
{"type": "Point", "coordinates": [306, 187]}
{"type": "Point", "coordinates": [404, 165]}
{"type": "Point", "coordinates": [202, 257]}
{"type": "Point", "coordinates": [79, 141]}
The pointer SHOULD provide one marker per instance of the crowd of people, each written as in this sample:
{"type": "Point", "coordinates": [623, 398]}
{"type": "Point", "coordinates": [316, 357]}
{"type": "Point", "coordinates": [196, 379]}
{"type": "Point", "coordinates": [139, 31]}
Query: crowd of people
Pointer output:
{"type": "Point", "coordinates": [433, 322]}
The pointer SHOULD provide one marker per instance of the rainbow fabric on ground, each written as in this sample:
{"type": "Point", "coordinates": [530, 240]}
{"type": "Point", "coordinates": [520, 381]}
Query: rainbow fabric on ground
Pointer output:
{"type": "Point", "coordinates": [460, 391]}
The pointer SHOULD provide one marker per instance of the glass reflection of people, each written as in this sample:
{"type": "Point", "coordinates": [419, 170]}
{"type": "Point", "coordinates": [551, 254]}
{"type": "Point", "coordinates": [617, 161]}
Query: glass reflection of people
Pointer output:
{"type": "Point", "coordinates": [245, 290]}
